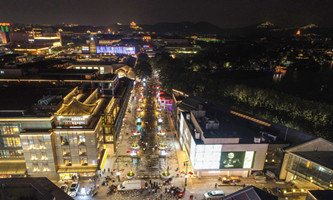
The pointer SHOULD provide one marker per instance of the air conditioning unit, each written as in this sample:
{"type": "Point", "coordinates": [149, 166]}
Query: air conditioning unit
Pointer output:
{"type": "Point", "coordinates": [196, 134]}
{"type": "Point", "coordinates": [257, 140]}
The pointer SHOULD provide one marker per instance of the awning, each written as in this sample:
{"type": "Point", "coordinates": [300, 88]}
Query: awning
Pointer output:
{"type": "Point", "coordinates": [12, 168]}
{"type": "Point", "coordinates": [77, 169]}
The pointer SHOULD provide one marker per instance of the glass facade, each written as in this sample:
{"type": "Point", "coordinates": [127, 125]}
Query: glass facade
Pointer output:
{"type": "Point", "coordinates": [10, 142]}
{"type": "Point", "coordinates": [310, 171]}
{"type": "Point", "coordinates": [11, 154]}
{"type": "Point", "coordinates": [9, 129]}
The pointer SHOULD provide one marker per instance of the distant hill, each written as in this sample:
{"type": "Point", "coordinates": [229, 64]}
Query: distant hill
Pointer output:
{"type": "Point", "coordinates": [183, 27]}
{"type": "Point", "coordinates": [265, 29]}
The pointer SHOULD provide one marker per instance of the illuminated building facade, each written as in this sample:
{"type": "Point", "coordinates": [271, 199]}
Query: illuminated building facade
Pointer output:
{"type": "Point", "coordinates": [4, 33]}
{"type": "Point", "coordinates": [223, 144]}
{"type": "Point", "coordinates": [309, 163]}
{"type": "Point", "coordinates": [115, 50]}
{"type": "Point", "coordinates": [78, 135]}
{"type": "Point", "coordinates": [63, 134]}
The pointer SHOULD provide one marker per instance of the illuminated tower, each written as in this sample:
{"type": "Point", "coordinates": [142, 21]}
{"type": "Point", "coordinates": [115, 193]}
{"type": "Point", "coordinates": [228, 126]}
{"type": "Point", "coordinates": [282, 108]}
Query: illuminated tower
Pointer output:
{"type": "Point", "coordinates": [92, 45]}
{"type": "Point", "coordinates": [4, 33]}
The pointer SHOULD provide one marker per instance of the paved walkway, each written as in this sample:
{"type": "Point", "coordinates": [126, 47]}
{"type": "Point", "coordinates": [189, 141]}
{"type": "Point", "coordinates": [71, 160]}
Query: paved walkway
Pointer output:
{"type": "Point", "coordinates": [175, 158]}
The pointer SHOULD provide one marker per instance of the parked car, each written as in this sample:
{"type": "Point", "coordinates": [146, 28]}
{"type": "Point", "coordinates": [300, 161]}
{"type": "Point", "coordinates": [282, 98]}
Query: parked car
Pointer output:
{"type": "Point", "coordinates": [73, 190]}
{"type": "Point", "coordinates": [214, 195]}
{"type": "Point", "coordinates": [177, 191]}
{"type": "Point", "coordinates": [64, 188]}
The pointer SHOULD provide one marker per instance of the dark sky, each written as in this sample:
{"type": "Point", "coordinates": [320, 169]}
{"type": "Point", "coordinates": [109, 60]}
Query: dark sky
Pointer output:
{"type": "Point", "coordinates": [223, 13]}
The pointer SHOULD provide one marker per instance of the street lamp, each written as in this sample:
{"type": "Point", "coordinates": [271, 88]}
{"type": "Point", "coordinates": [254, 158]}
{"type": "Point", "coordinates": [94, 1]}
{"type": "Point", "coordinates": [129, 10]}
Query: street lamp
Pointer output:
{"type": "Point", "coordinates": [185, 180]}
{"type": "Point", "coordinates": [186, 164]}
{"type": "Point", "coordinates": [118, 176]}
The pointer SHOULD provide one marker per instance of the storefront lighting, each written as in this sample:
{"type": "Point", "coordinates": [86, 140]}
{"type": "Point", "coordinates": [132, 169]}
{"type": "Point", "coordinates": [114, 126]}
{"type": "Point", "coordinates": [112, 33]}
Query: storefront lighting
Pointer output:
{"type": "Point", "coordinates": [83, 191]}
{"type": "Point", "coordinates": [302, 190]}
{"type": "Point", "coordinates": [294, 190]}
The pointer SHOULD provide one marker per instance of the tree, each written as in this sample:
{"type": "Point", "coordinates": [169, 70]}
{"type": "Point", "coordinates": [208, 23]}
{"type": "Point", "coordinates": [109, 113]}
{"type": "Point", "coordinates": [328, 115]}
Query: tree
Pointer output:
{"type": "Point", "coordinates": [143, 69]}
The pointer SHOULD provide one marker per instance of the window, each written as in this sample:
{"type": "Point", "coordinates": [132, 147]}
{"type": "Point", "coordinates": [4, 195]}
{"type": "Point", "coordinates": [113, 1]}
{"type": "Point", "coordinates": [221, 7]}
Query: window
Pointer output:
{"type": "Point", "coordinates": [33, 155]}
{"type": "Point", "coordinates": [4, 154]}
{"type": "Point", "coordinates": [77, 67]}
{"type": "Point", "coordinates": [2, 72]}
{"type": "Point", "coordinates": [43, 155]}
{"type": "Point", "coordinates": [82, 151]}
{"type": "Point", "coordinates": [66, 152]}
{"type": "Point", "coordinates": [35, 167]}
{"type": "Point", "coordinates": [68, 161]}
{"type": "Point", "coordinates": [11, 142]}
{"type": "Point", "coordinates": [31, 143]}
{"type": "Point", "coordinates": [81, 139]}
{"type": "Point", "coordinates": [83, 161]}
{"type": "Point", "coordinates": [9, 129]}
{"type": "Point", "coordinates": [11, 154]}
{"type": "Point", "coordinates": [42, 144]}
{"type": "Point", "coordinates": [89, 67]}
{"type": "Point", "coordinates": [46, 167]}
{"type": "Point", "coordinates": [64, 140]}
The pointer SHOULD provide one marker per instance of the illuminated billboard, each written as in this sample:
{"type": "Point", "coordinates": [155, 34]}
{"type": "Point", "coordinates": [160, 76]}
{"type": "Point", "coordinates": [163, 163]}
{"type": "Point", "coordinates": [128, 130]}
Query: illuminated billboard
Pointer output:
{"type": "Point", "coordinates": [238, 159]}
{"type": "Point", "coordinates": [115, 50]}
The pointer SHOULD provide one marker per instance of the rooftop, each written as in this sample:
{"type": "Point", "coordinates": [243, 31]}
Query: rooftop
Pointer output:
{"type": "Point", "coordinates": [321, 194]}
{"type": "Point", "coordinates": [31, 188]}
{"type": "Point", "coordinates": [250, 193]}
{"type": "Point", "coordinates": [24, 96]}
{"type": "Point", "coordinates": [323, 158]}
{"type": "Point", "coordinates": [76, 107]}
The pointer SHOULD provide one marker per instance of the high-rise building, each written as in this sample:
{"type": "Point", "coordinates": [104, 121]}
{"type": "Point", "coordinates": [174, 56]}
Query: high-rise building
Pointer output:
{"type": "Point", "coordinates": [4, 33]}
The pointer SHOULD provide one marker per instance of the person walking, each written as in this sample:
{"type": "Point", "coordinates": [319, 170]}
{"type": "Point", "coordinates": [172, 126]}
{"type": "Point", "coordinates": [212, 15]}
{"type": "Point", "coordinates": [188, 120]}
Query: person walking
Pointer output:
{"type": "Point", "coordinates": [215, 185]}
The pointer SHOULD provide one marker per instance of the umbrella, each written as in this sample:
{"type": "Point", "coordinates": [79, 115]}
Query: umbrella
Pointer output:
{"type": "Point", "coordinates": [114, 170]}
{"type": "Point", "coordinates": [132, 131]}
{"type": "Point", "coordinates": [128, 151]}
{"type": "Point", "coordinates": [191, 173]}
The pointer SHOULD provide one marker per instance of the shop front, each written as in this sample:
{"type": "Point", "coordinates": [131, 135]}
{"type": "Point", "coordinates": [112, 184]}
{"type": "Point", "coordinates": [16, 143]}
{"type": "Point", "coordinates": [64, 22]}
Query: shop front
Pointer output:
{"type": "Point", "coordinates": [81, 173]}
{"type": "Point", "coordinates": [12, 169]}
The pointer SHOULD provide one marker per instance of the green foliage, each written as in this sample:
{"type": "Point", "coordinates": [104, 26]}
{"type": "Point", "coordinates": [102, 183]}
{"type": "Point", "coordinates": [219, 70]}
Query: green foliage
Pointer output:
{"type": "Point", "coordinates": [130, 173]}
{"type": "Point", "coordinates": [211, 81]}
{"type": "Point", "coordinates": [143, 69]}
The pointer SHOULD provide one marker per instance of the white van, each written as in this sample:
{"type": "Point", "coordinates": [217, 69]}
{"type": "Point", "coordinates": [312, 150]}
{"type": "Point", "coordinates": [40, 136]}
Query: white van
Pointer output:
{"type": "Point", "coordinates": [131, 185]}
{"type": "Point", "coordinates": [214, 195]}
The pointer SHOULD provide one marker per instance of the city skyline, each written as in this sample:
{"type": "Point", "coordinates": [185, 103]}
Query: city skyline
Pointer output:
{"type": "Point", "coordinates": [223, 14]}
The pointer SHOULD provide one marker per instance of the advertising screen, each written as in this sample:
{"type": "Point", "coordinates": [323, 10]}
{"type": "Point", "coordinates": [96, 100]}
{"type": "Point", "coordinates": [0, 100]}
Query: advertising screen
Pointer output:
{"type": "Point", "coordinates": [115, 50]}
{"type": "Point", "coordinates": [237, 159]}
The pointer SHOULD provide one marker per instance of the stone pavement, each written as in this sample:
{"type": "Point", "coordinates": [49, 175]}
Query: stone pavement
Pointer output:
{"type": "Point", "coordinates": [175, 159]}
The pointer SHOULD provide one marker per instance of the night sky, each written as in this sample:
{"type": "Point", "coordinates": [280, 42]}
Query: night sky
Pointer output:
{"type": "Point", "coordinates": [223, 13]}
